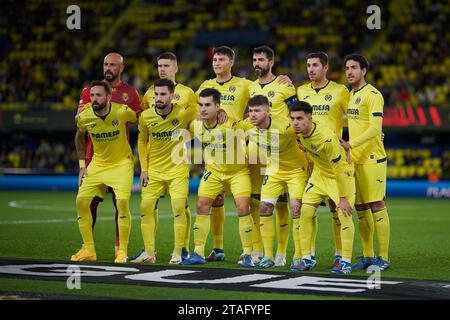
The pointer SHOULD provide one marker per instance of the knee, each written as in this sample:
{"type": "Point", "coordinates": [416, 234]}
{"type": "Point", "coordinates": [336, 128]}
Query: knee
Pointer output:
{"type": "Point", "coordinates": [83, 203]}
{"type": "Point", "coordinates": [266, 209]}
{"type": "Point", "coordinates": [148, 206]}
{"type": "Point", "coordinates": [203, 208]}
{"type": "Point", "coordinates": [377, 206]}
{"type": "Point", "coordinates": [361, 207]}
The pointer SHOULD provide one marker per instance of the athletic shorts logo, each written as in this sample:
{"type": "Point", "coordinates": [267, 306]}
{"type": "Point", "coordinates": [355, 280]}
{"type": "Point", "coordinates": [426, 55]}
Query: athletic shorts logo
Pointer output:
{"type": "Point", "coordinates": [125, 96]}
{"type": "Point", "coordinates": [232, 88]}
{"type": "Point", "coordinates": [358, 100]}
{"type": "Point", "coordinates": [115, 123]}
{"type": "Point", "coordinates": [271, 94]}
{"type": "Point", "coordinates": [328, 97]}
{"type": "Point", "coordinates": [175, 122]}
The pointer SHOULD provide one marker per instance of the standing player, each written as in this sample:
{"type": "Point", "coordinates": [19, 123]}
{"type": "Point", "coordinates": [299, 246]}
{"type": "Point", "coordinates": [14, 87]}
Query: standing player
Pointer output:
{"type": "Point", "coordinates": [287, 169]}
{"type": "Point", "coordinates": [327, 180]}
{"type": "Point", "coordinates": [160, 136]}
{"type": "Point", "coordinates": [280, 96]}
{"type": "Point", "coordinates": [111, 165]}
{"type": "Point", "coordinates": [328, 100]}
{"type": "Point", "coordinates": [365, 121]}
{"type": "Point", "coordinates": [225, 164]}
{"type": "Point", "coordinates": [234, 96]}
{"type": "Point", "coordinates": [122, 93]}
{"type": "Point", "coordinates": [183, 95]}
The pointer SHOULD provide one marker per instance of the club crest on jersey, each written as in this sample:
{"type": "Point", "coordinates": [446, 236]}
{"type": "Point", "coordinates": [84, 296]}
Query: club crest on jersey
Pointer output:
{"type": "Point", "coordinates": [125, 96]}
{"type": "Point", "coordinates": [175, 122]}
{"type": "Point", "coordinates": [115, 123]}
{"type": "Point", "coordinates": [328, 97]}
{"type": "Point", "coordinates": [232, 88]}
{"type": "Point", "coordinates": [358, 100]}
{"type": "Point", "coordinates": [177, 97]}
{"type": "Point", "coordinates": [314, 147]}
{"type": "Point", "coordinates": [154, 124]}
{"type": "Point", "coordinates": [271, 94]}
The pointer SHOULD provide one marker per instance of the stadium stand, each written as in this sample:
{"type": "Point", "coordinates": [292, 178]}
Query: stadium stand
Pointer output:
{"type": "Point", "coordinates": [44, 65]}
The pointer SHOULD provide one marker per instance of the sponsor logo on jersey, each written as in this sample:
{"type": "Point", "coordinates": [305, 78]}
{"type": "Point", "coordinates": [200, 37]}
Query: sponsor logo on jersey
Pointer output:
{"type": "Point", "coordinates": [104, 135]}
{"type": "Point", "coordinates": [227, 97]}
{"type": "Point", "coordinates": [321, 107]}
{"type": "Point", "coordinates": [353, 111]}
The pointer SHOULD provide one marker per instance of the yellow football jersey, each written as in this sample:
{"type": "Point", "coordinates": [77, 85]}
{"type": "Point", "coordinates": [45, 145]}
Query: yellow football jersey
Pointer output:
{"type": "Point", "coordinates": [161, 139]}
{"type": "Point", "coordinates": [223, 145]}
{"type": "Point", "coordinates": [365, 122]}
{"type": "Point", "coordinates": [183, 96]}
{"type": "Point", "coordinates": [233, 95]}
{"type": "Point", "coordinates": [280, 96]}
{"type": "Point", "coordinates": [329, 104]}
{"type": "Point", "coordinates": [279, 144]}
{"type": "Point", "coordinates": [108, 133]}
{"type": "Point", "coordinates": [324, 150]}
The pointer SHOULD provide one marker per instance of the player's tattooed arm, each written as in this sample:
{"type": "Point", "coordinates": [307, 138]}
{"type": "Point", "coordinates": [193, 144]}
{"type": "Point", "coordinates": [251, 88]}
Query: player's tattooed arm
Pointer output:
{"type": "Point", "coordinates": [266, 208]}
{"type": "Point", "coordinates": [80, 144]}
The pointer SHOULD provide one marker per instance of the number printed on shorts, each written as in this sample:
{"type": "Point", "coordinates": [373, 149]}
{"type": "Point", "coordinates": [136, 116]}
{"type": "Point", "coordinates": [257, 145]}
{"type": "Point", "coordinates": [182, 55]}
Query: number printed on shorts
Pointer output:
{"type": "Point", "coordinates": [206, 175]}
{"type": "Point", "coordinates": [266, 177]}
{"type": "Point", "coordinates": [309, 187]}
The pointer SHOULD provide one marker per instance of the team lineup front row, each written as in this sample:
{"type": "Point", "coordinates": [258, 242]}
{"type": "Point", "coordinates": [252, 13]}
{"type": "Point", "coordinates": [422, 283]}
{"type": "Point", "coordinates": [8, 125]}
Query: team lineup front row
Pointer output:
{"type": "Point", "coordinates": [264, 142]}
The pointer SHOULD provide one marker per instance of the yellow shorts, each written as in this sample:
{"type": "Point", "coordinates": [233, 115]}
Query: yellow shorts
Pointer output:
{"type": "Point", "coordinates": [275, 185]}
{"type": "Point", "coordinates": [213, 183]}
{"type": "Point", "coordinates": [118, 177]}
{"type": "Point", "coordinates": [319, 188]}
{"type": "Point", "coordinates": [176, 182]}
{"type": "Point", "coordinates": [370, 182]}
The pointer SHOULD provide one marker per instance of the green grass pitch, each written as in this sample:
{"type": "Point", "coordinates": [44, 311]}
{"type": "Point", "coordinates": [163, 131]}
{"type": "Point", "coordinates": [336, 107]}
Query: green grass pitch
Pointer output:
{"type": "Point", "coordinates": [42, 225]}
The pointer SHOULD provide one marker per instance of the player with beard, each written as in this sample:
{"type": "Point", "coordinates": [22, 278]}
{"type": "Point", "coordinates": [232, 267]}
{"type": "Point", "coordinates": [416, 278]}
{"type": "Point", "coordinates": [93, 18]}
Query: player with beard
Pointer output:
{"type": "Point", "coordinates": [112, 166]}
{"type": "Point", "coordinates": [281, 96]}
{"type": "Point", "coordinates": [122, 93]}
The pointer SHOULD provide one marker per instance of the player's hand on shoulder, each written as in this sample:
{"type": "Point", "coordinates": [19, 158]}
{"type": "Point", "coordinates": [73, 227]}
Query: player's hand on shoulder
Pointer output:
{"type": "Point", "coordinates": [282, 79]}
{"type": "Point", "coordinates": [222, 117]}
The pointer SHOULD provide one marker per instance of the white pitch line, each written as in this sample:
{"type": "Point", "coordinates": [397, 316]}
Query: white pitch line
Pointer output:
{"type": "Point", "coordinates": [28, 204]}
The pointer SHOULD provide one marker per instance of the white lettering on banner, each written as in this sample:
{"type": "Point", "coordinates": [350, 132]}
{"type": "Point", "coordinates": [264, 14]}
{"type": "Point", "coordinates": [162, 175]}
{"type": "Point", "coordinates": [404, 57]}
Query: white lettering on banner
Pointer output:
{"type": "Point", "coordinates": [60, 270]}
{"type": "Point", "coordinates": [160, 276]}
{"type": "Point", "coordinates": [320, 284]}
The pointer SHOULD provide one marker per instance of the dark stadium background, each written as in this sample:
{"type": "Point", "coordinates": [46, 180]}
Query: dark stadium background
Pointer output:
{"type": "Point", "coordinates": [44, 66]}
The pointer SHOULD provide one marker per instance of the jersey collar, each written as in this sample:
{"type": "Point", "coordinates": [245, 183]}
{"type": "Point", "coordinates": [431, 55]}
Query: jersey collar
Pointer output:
{"type": "Point", "coordinates": [164, 116]}
{"type": "Point", "coordinates": [265, 84]}
{"type": "Point", "coordinates": [103, 117]}
{"type": "Point", "coordinates": [214, 126]}
{"type": "Point", "coordinates": [360, 88]}
{"type": "Point", "coordinates": [222, 83]}
{"type": "Point", "coordinates": [312, 131]}
{"type": "Point", "coordinates": [318, 89]}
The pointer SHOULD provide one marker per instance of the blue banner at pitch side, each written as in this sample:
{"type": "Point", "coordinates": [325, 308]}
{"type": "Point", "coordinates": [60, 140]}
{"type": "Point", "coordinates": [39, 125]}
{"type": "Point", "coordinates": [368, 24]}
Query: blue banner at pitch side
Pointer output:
{"type": "Point", "coordinates": [395, 188]}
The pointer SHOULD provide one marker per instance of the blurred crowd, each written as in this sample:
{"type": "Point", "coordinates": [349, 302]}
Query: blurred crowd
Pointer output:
{"type": "Point", "coordinates": [44, 62]}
